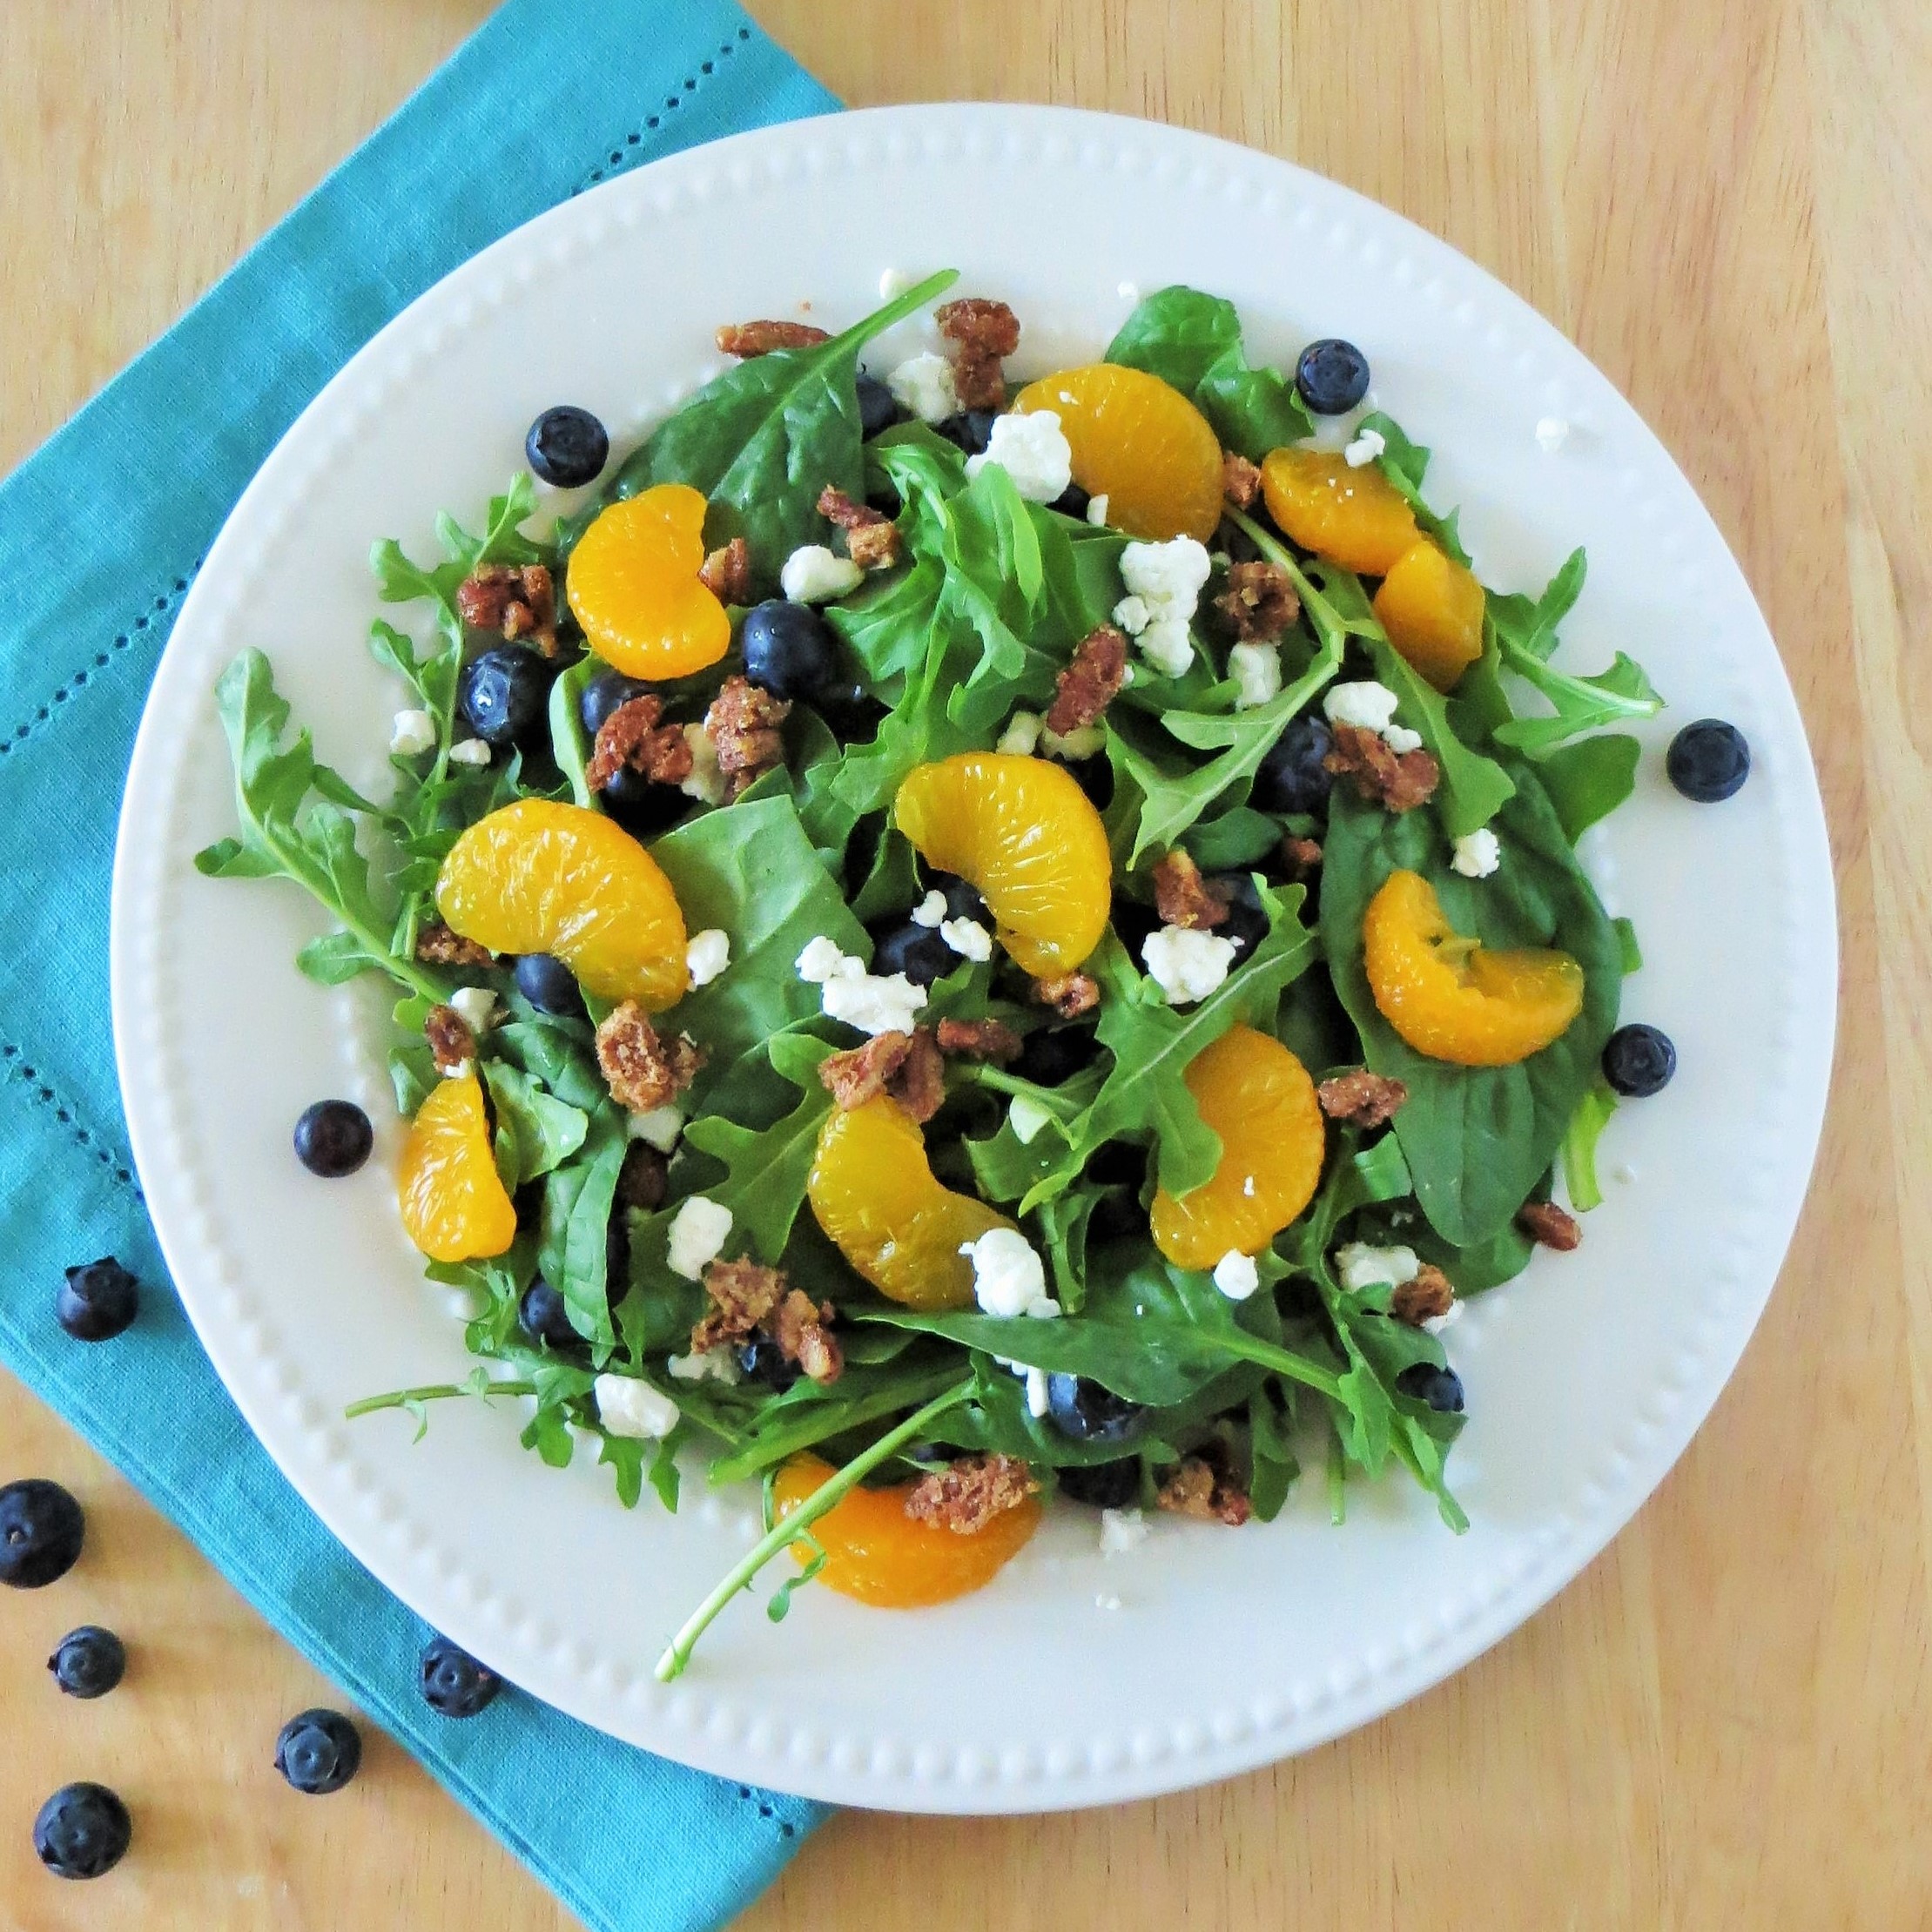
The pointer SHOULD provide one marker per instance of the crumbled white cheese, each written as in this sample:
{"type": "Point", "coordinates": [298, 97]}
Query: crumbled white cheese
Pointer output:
{"type": "Point", "coordinates": [1437, 1323]}
{"type": "Point", "coordinates": [1364, 449]}
{"type": "Point", "coordinates": [1037, 1402]}
{"type": "Point", "coordinates": [814, 574]}
{"type": "Point", "coordinates": [1130, 291]}
{"type": "Point", "coordinates": [1026, 1117]}
{"type": "Point", "coordinates": [1187, 964]}
{"type": "Point", "coordinates": [1368, 706]}
{"type": "Point", "coordinates": [696, 1235]}
{"type": "Point", "coordinates": [967, 937]}
{"type": "Point", "coordinates": [1009, 1278]}
{"type": "Point", "coordinates": [469, 751]}
{"type": "Point", "coordinates": [1236, 1274]}
{"type": "Point", "coordinates": [705, 781]}
{"type": "Point", "coordinates": [820, 959]}
{"type": "Point", "coordinates": [1164, 582]}
{"type": "Point", "coordinates": [1256, 670]}
{"type": "Point", "coordinates": [1034, 451]}
{"type": "Point", "coordinates": [628, 1407]}
{"type": "Point", "coordinates": [1551, 433]}
{"type": "Point", "coordinates": [413, 733]}
{"type": "Point", "coordinates": [925, 385]}
{"type": "Point", "coordinates": [1359, 1266]}
{"type": "Point", "coordinates": [1122, 1532]}
{"type": "Point", "coordinates": [894, 283]}
{"type": "Point", "coordinates": [1021, 735]}
{"type": "Point", "coordinates": [1477, 854]}
{"type": "Point", "coordinates": [1096, 510]}
{"type": "Point", "coordinates": [460, 1070]}
{"type": "Point", "coordinates": [1399, 739]}
{"type": "Point", "coordinates": [707, 955]}
{"type": "Point", "coordinates": [930, 912]}
{"type": "Point", "coordinates": [1106, 1600]}
{"type": "Point", "coordinates": [1085, 741]}
{"type": "Point", "coordinates": [1167, 646]}
{"type": "Point", "coordinates": [1132, 615]}
{"type": "Point", "coordinates": [859, 998]}
{"type": "Point", "coordinates": [476, 1005]}
{"type": "Point", "coordinates": [658, 1129]}
{"type": "Point", "coordinates": [707, 1365]}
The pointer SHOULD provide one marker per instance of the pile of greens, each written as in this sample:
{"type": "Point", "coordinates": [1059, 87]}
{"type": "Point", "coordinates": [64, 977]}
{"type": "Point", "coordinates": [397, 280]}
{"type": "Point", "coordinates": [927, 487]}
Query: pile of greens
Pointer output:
{"type": "Point", "coordinates": [992, 595]}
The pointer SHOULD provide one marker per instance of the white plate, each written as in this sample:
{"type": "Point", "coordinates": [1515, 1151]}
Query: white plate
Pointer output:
{"type": "Point", "coordinates": [1586, 1378]}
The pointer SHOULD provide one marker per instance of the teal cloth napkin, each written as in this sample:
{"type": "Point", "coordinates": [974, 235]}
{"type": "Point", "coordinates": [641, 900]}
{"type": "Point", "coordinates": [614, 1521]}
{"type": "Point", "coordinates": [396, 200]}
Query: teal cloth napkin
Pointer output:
{"type": "Point", "coordinates": [101, 532]}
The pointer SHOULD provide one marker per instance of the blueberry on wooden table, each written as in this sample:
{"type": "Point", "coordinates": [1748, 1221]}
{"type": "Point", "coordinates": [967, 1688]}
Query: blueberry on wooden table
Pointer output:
{"type": "Point", "coordinates": [1102, 1485]}
{"type": "Point", "coordinates": [41, 1532]}
{"type": "Point", "coordinates": [453, 1683]}
{"type": "Point", "coordinates": [1442, 1389]}
{"type": "Point", "coordinates": [504, 695]}
{"type": "Point", "coordinates": [83, 1831]}
{"type": "Point", "coordinates": [1292, 776]}
{"type": "Point", "coordinates": [97, 1301]}
{"type": "Point", "coordinates": [788, 648]}
{"type": "Point", "coordinates": [549, 986]}
{"type": "Point", "coordinates": [916, 950]}
{"type": "Point", "coordinates": [1639, 1060]}
{"type": "Point", "coordinates": [1089, 1411]}
{"type": "Point", "coordinates": [543, 1316]}
{"type": "Point", "coordinates": [88, 1663]}
{"type": "Point", "coordinates": [1332, 376]}
{"type": "Point", "coordinates": [319, 1752]}
{"type": "Point", "coordinates": [877, 409]}
{"type": "Point", "coordinates": [567, 447]}
{"type": "Point", "coordinates": [603, 694]}
{"type": "Point", "coordinates": [1709, 761]}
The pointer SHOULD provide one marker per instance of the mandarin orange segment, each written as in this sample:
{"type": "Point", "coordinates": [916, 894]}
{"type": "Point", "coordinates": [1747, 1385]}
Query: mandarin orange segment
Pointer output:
{"type": "Point", "coordinates": [1258, 1096]}
{"type": "Point", "coordinates": [876, 1552]}
{"type": "Point", "coordinates": [453, 1203]}
{"type": "Point", "coordinates": [1139, 442]}
{"type": "Point", "coordinates": [875, 1194]}
{"type": "Point", "coordinates": [1451, 998]}
{"type": "Point", "coordinates": [1432, 609]}
{"type": "Point", "coordinates": [633, 585]}
{"type": "Point", "coordinates": [540, 876]}
{"type": "Point", "coordinates": [1024, 832]}
{"type": "Point", "coordinates": [1357, 517]}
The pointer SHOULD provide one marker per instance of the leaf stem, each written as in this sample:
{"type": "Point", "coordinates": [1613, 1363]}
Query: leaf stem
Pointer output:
{"type": "Point", "coordinates": [435, 1391]}
{"type": "Point", "coordinates": [1248, 1348]}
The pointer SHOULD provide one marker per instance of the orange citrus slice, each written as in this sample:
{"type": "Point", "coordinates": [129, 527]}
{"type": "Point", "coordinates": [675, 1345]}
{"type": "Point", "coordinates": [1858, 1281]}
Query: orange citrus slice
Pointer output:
{"type": "Point", "coordinates": [1357, 517]}
{"type": "Point", "coordinates": [633, 585]}
{"type": "Point", "coordinates": [453, 1203]}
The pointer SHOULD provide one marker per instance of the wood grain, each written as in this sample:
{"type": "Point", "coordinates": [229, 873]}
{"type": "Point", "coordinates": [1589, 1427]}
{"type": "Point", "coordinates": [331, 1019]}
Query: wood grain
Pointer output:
{"type": "Point", "coordinates": [1727, 1720]}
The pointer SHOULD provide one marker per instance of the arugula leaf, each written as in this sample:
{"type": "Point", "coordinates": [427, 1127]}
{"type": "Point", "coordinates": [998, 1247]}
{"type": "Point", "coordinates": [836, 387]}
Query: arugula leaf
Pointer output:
{"type": "Point", "coordinates": [1272, 1451]}
{"type": "Point", "coordinates": [540, 1131]}
{"type": "Point", "coordinates": [1579, 1145]}
{"type": "Point", "coordinates": [1589, 779]}
{"type": "Point", "coordinates": [886, 622]}
{"type": "Point", "coordinates": [1405, 463]}
{"type": "Point", "coordinates": [1233, 839]}
{"type": "Point", "coordinates": [1627, 938]}
{"type": "Point", "coordinates": [568, 746]}
{"type": "Point", "coordinates": [809, 1413]}
{"type": "Point", "coordinates": [502, 540]}
{"type": "Point", "coordinates": [1474, 788]}
{"type": "Point", "coordinates": [891, 883]}
{"type": "Point", "coordinates": [1529, 624]}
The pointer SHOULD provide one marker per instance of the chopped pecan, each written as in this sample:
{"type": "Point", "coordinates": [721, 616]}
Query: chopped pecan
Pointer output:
{"type": "Point", "coordinates": [632, 739]}
{"type": "Point", "coordinates": [991, 1040]}
{"type": "Point", "coordinates": [1259, 603]}
{"type": "Point", "coordinates": [516, 600]}
{"type": "Point", "coordinates": [746, 340]}
{"type": "Point", "coordinates": [1302, 857]}
{"type": "Point", "coordinates": [1182, 896]}
{"type": "Point", "coordinates": [1240, 481]}
{"type": "Point", "coordinates": [743, 1295]}
{"type": "Point", "coordinates": [452, 1045]}
{"type": "Point", "coordinates": [642, 1070]}
{"type": "Point", "coordinates": [871, 537]}
{"type": "Point", "coordinates": [919, 1084]}
{"type": "Point", "coordinates": [968, 1493]}
{"type": "Point", "coordinates": [802, 1329]}
{"type": "Point", "coordinates": [1204, 1485]}
{"type": "Point", "coordinates": [1069, 995]}
{"type": "Point", "coordinates": [905, 1066]}
{"type": "Point", "coordinates": [744, 723]}
{"type": "Point", "coordinates": [1549, 1226]}
{"type": "Point", "coordinates": [1380, 776]}
{"type": "Point", "coordinates": [1424, 1299]}
{"type": "Point", "coordinates": [986, 332]}
{"type": "Point", "coordinates": [437, 946]}
{"type": "Point", "coordinates": [642, 1178]}
{"type": "Point", "coordinates": [1084, 690]}
{"type": "Point", "coordinates": [1362, 1098]}
{"type": "Point", "coordinates": [726, 573]}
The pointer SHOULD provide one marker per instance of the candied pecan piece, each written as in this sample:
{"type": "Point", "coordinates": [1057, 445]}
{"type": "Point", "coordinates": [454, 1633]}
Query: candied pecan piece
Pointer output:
{"type": "Point", "coordinates": [515, 600]}
{"type": "Point", "coordinates": [986, 332]}
{"type": "Point", "coordinates": [642, 1178]}
{"type": "Point", "coordinates": [642, 1069]}
{"type": "Point", "coordinates": [1259, 603]}
{"type": "Point", "coordinates": [1084, 690]}
{"type": "Point", "coordinates": [1240, 481]}
{"type": "Point", "coordinates": [632, 738]}
{"type": "Point", "coordinates": [1069, 995]}
{"type": "Point", "coordinates": [919, 1084]}
{"type": "Point", "coordinates": [871, 537]}
{"type": "Point", "coordinates": [860, 1074]}
{"type": "Point", "coordinates": [1302, 856]}
{"type": "Point", "coordinates": [1204, 1485]}
{"type": "Point", "coordinates": [452, 1045]}
{"type": "Point", "coordinates": [967, 1494]}
{"type": "Point", "coordinates": [1549, 1226]}
{"type": "Point", "coordinates": [743, 1294]}
{"type": "Point", "coordinates": [802, 1329]}
{"type": "Point", "coordinates": [726, 572]}
{"type": "Point", "coordinates": [1182, 896]}
{"type": "Point", "coordinates": [1380, 776]}
{"type": "Point", "coordinates": [437, 946]}
{"type": "Point", "coordinates": [746, 340]}
{"type": "Point", "coordinates": [1424, 1299]}
{"type": "Point", "coordinates": [991, 1040]}
{"type": "Point", "coordinates": [1362, 1098]}
{"type": "Point", "coordinates": [744, 723]}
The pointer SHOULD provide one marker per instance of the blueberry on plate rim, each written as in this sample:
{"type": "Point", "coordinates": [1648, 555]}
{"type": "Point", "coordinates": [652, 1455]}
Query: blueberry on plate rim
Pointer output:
{"type": "Point", "coordinates": [319, 1752]}
{"type": "Point", "coordinates": [334, 1138]}
{"type": "Point", "coordinates": [453, 1684]}
{"type": "Point", "coordinates": [83, 1831]}
{"type": "Point", "coordinates": [1709, 761]}
{"type": "Point", "coordinates": [1332, 376]}
{"type": "Point", "coordinates": [1639, 1060]}
{"type": "Point", "coordinates": [88, 1662]}
{"type": "Point", "coordinates": [97, 1301]}
{"type": "Point", "coordinates": [42, 1529]}
{"type": "Point", "coordinates": [566, 447]}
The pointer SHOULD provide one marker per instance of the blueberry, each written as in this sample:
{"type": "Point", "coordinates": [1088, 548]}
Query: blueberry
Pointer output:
{"type": "Point", "coordinates": [334, 1138]}
{"type": "Point", "coordinates": [963, 899]}
{"type": "Point", "coordinates": [1094, 776]}
{"type": "Point", "coordinates": [98, 1301]}
{"type": "Point", "coordinates": [877, 408]}
{"type": "Point", "coordinates": [1133, 923]}
{"type": "Point", "coordinates": [1442, 1389]}
{"type": "Point", "coordinates": [916, 950]}
{"type": "Point", "coordinates": [1247, 921]}
{"type": "Point", "coordinates": [788, 649]}
{"type": "Point", "coordinates": [602, 695]}
{"type": "Point", "coordinates": [82, 1831]}
{"type": "Point", "coordinates": [1709, 761]}
{"type": "Point", "coordinates": [852, 712]}
{"type": "Point", "coordinates": [1102, 1485]}
{"type": "Point", "coordinates": [319, 1752]}
{"type": "Point", "coordinates": [41, 1532]}
{"type": "Point", "coordinates": [452, 1682]}
{"type": "Point", "coordinates": [549, 986]}
{"type": "Point", "coordinates": [760, 1359]}
{"type": "Point", "coordinates": [1639, 1060]}
{"type": "Point", "coordinates": [1072, 501]}
{"type": "Point", "coordinates": [504, 695]}
{"type": "Point", "coordinates": [567, 447]}
{"type": "Point", "coordinates": [1055, 1054]}
{"type": "Point", "coordinates": [644, 806]}
{"type": "Point", "coordinates": [90, 1662]}
{"type": "Point", "coordinates": [1332, 375]}
{"type": "Point", "coordinates": [543, 1316]}
{"type": "Point", "coordinates": [1091, 1412]}
{"type": "Point", "coordinates": [1291, 776]}
{"type": "Point", "coordinates": [971, 430]}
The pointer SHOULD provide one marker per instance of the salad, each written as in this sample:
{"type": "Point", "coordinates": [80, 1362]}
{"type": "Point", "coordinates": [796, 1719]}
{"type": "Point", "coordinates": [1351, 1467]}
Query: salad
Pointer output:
{"type": "Point", "coordinates": [966, 948]}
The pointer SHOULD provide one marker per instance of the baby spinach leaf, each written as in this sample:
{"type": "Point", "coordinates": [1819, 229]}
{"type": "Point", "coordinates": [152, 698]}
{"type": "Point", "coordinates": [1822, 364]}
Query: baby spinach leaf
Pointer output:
{"type": "Point", "coordinates": [1272, 1452]}
{"type": "Point", "coordinates": [886, 622]}
{"type": "Point", "coordinates": [543, 1131]}
{"type": "Point", "coordinates": [1589, 779]}
{"type": "Point", "coordinates": [1627, 938]}
{"type": "Point", "coordinates": [892, 885]}
{"type": "Point", "coordinates": [1405, 463]}
{"type": "Point", "coordinates": [573, 1246]}
{"type": "Point", "coordinates": [1233, 839]}
{"type": "Point", "coordinates": [412, 1074]}
{"type": "Point", "coordinates": [555, 1051]}
{"type": "Point", "coordinates": [567, 745]}
{"type": "Point", "coordinates": [1579, 1145]}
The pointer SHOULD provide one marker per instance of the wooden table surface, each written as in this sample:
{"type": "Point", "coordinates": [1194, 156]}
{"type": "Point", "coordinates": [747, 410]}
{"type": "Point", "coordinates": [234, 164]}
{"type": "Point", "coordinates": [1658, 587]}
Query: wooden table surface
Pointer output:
{"type": "Point", "coordinates": [1728, 1720]}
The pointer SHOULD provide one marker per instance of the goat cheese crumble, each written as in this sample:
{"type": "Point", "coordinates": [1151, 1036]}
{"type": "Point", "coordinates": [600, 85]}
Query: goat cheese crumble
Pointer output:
{"type": "Point", "coordinates": [847, 991]}
{"type": "Point", "coordinates": [1084, 741]}
{"type": "Point", "coordinates": [413, 733]}
{"type": "Point", "coordinates": [1164, 582]}
{"type": "Point", "coordinates": [658, 1129]}
{"type": "Point", "coordinates": [696, 1235]}
{"type": "Point", "coordinates": [1475, 854]}
{"type": "Point", "coordinates": [1551, 433]}
{"type": "Point", "coordinates": [1122, 1532]}
{"type": "Point", "coordinates": [1256, 670]}
{"type": "Point", "coordinates": [707, 955]}
{"type": "Point", "coordinates": [1034, 452]}
{"type": "Point", "coordinates": [814, 574]}
{"type": "Point", "coordinates": [628, 1407]}
{"type": "Point", "coordinates": [1022, 737]}
{"type": "Point", "coordinates": [1236, 1274]}
{"type": "Point", "coordinates": [1096, 510]}
{"type": "Point", "coordinates": [1187, 964]}
{"type": "Point", "coordinates": [967, 939]}
{"type": "Point", "coordinates": [1364, 449]}
{"type": "Point", "coordinates": [1009, 1279]}
{"type": "Point", "coordinates": [930, 912]}
{"type": "Point", "coordinates": [1369, 707]}
{"type": "Point", "coordinates": [476, 1005]}
{"type": "Point", "coordinates": [707, 1365]}
{"type": "Point", "coordinates": [1359, 1266]}
{"type": "Point", "coordinates": [924, 385]}
{"type": "Point", "coordinates": [472, 752]}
